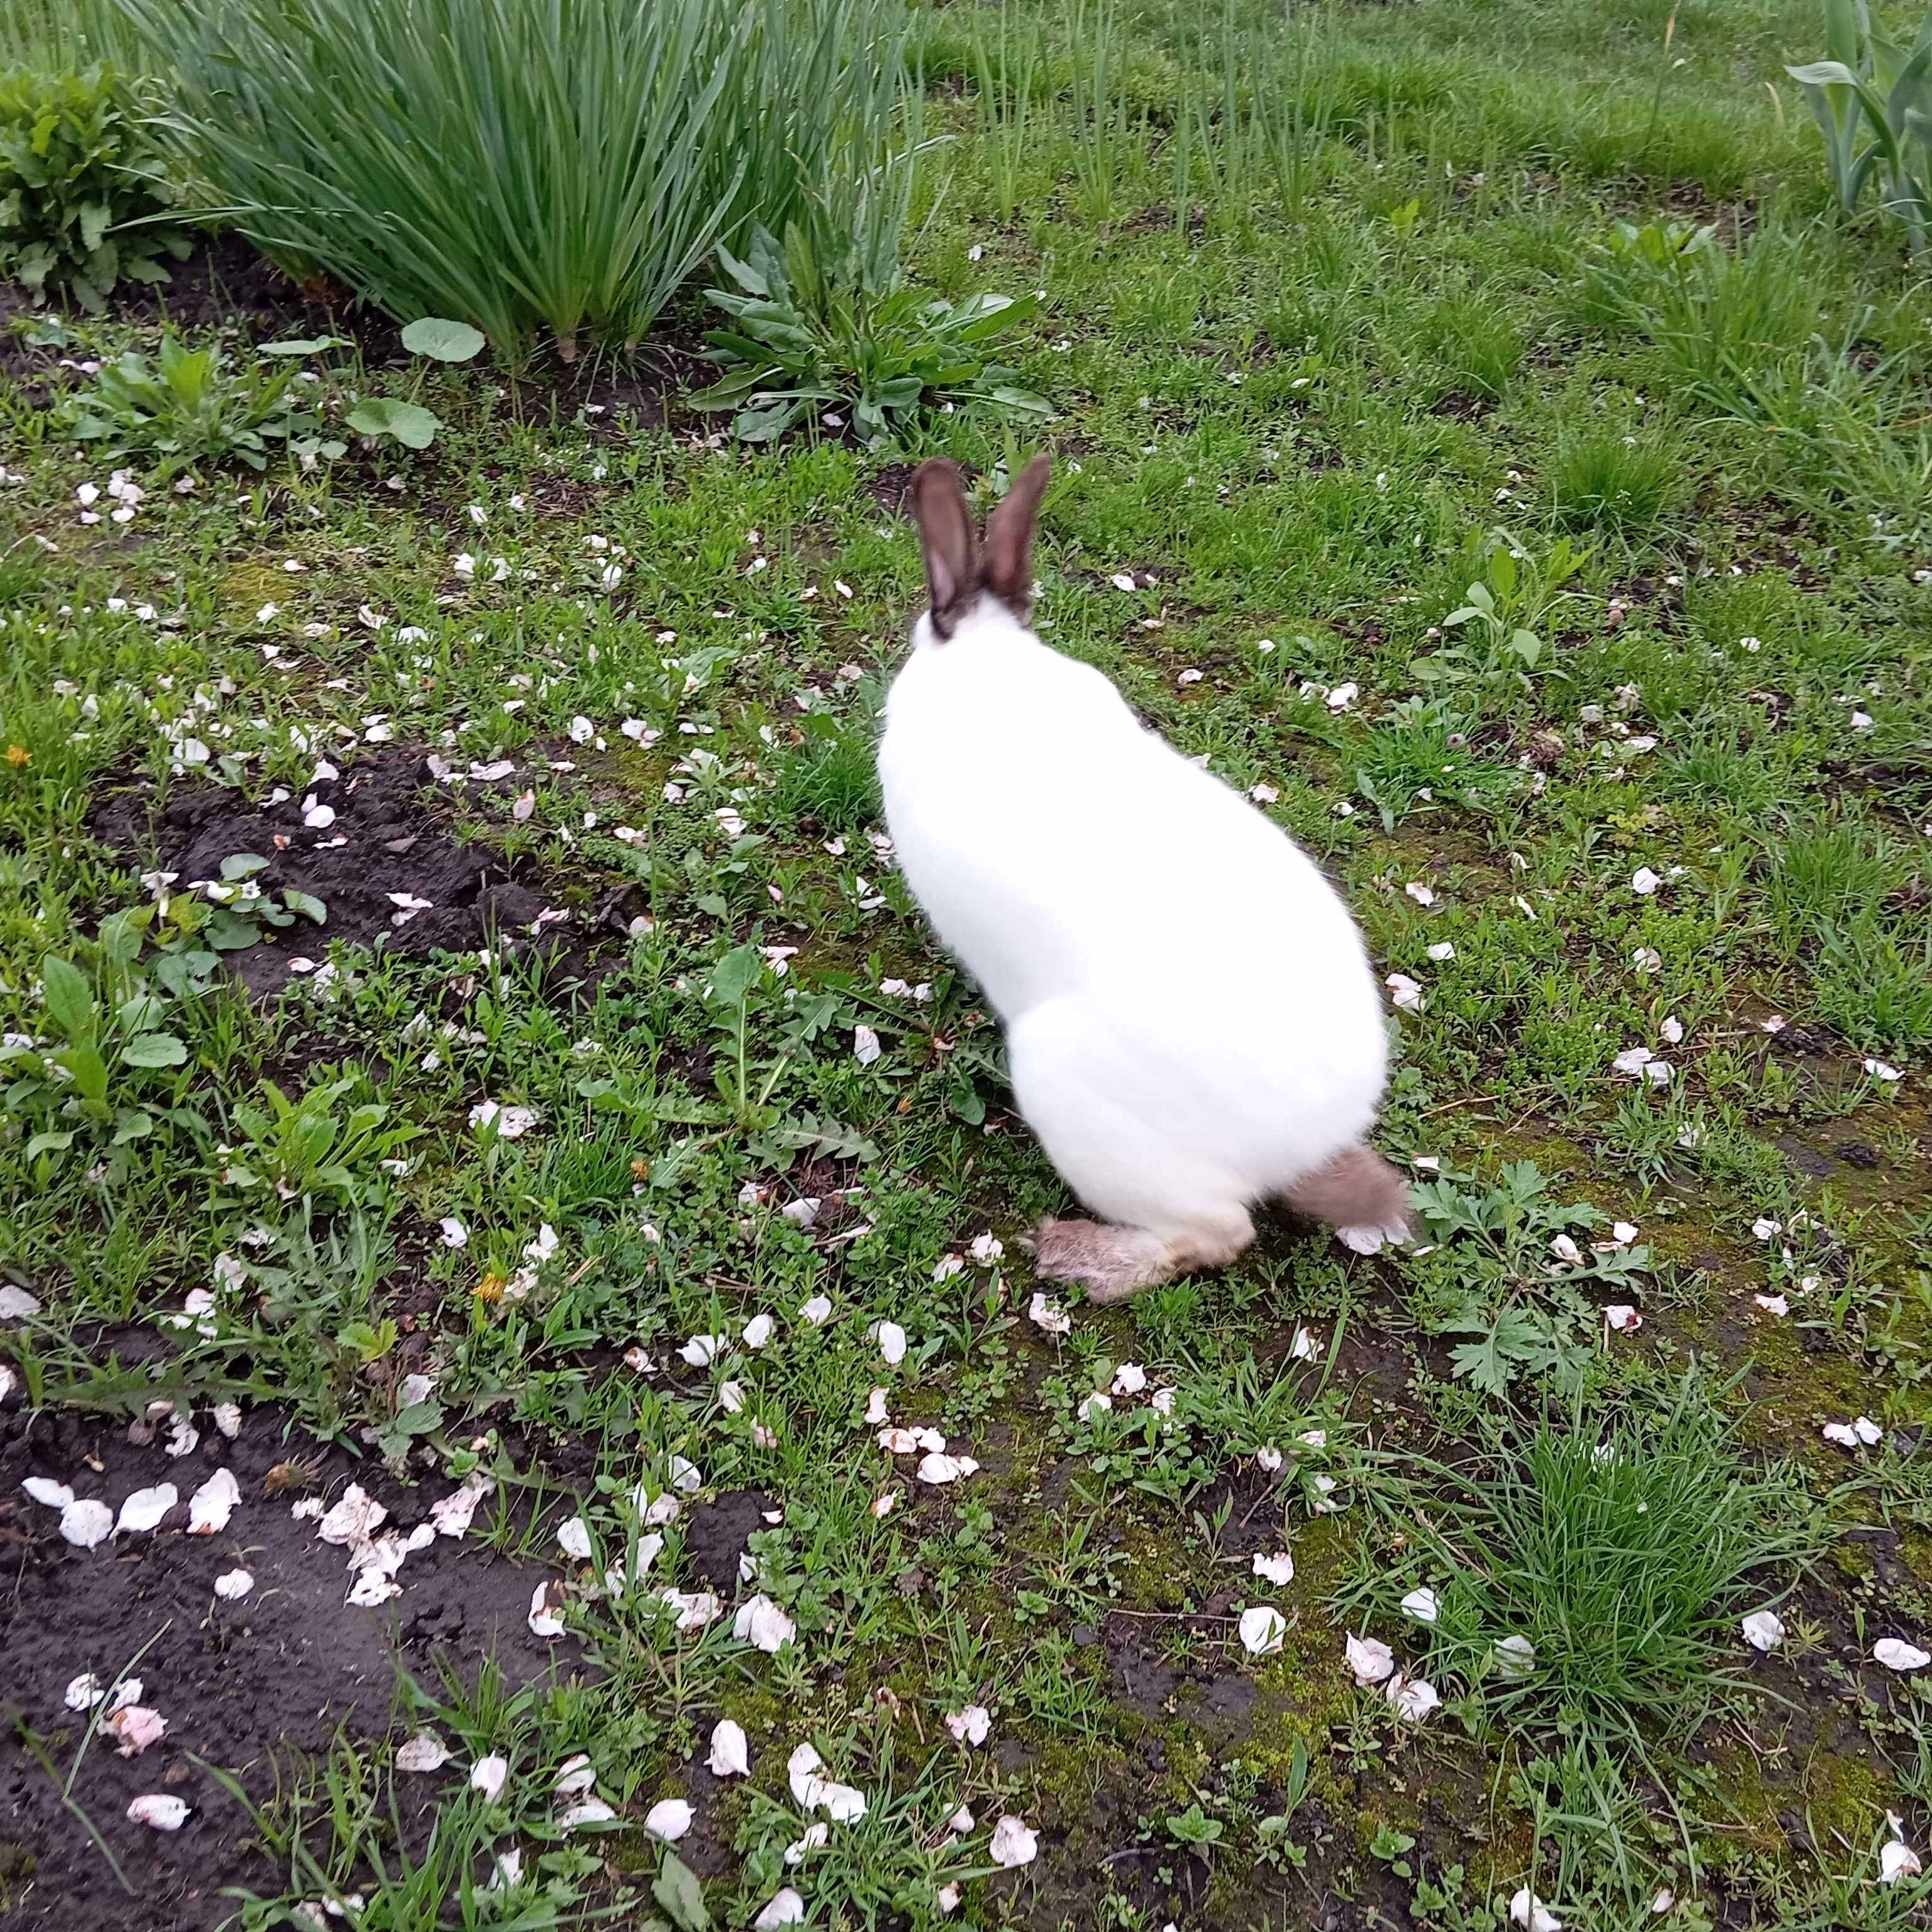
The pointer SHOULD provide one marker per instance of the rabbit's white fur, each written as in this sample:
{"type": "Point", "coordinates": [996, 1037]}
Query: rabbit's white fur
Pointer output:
{"type": "Point", "coordinates": [1192, 1023]}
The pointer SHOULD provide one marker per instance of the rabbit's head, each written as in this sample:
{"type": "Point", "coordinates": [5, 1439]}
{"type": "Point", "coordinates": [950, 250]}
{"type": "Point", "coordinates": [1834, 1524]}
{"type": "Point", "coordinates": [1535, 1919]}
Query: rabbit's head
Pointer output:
{"type": "Point", "coordinates": [961, 573]}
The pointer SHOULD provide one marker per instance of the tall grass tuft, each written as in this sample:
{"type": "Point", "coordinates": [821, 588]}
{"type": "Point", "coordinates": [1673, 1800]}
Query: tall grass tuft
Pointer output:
{"type": "Point", "coordinates": [536, 167]}
{"type": "Point", "coordinates": [1590, 1578]}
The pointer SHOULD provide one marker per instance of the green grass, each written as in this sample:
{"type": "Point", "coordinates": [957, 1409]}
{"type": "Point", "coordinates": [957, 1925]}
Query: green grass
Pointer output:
{"type": "Point", "coordinates": [552, 169]}
{"type": "Point", "coordinates": [1620, 1551]}
{"type": "Point", "coordinates": [1339, 315]}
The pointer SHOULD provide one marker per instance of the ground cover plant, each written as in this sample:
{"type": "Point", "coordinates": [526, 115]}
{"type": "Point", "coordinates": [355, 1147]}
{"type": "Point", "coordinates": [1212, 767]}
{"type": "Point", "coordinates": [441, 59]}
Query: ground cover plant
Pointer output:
{"type": "Point", "coordinates": [523, 1399]}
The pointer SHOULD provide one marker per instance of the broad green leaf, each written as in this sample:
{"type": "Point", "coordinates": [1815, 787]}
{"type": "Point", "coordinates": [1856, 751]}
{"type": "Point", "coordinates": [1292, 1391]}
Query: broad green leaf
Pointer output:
{"type": "Point", "coordinates": [88, 1069]}
{"type": "Point", "coordinates": [410, 423]}
{"type": "Point", "coordinates": [307, 903]}
{"type": "Point", "coordinates": [229, 932]}
{"type": "Point", "coordinates": [1823, 73]}
{"type": "Point", "coordinates": [677, 1889]}
{"type": "Point", "coordinates": [242, 866]}
{"type": "Point", "coordinates": [736, 974]}
{"type": "Point", "coordinates": [42, 1143]}
{"type": "Point", "coordinates": [70, 1004]}
{"type": "Point", "coordinates": [443, 341]}
{"type": "Point", "coordinates": [155, 1049]}
{"type": "Point", "coordinates": [311, 345]}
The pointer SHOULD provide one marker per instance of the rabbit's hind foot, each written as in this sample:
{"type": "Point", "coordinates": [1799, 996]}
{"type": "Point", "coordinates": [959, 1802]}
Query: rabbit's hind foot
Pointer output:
{"type": "Point", "coordinates": [1112, 1263]}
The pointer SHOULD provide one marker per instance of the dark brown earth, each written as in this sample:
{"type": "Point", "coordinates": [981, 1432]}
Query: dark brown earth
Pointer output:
{"type": "Point", "coordinates": [286, 1668]}
{"type": "Point", "coordinates": [227, 284]}
{"type": "Point", "coordinates": [390, 836]}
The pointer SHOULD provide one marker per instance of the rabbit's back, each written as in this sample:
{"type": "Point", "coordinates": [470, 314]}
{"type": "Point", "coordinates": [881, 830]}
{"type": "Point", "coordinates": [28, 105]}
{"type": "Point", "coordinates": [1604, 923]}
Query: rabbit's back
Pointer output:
{"type": "Point", "coordinates": [1056, 844]}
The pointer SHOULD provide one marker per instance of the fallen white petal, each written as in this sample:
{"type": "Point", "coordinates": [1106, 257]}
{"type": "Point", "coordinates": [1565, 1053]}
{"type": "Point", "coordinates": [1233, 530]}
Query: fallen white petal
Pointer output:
{"type": "Point", "coordinates": [546, 1617]}
{"type": "Point", "coordinates": [938, 1468]}
{"type": "Point", "coordinates": [1014, 1842]}
{"type": "Point", "coordinates": [762, 1624]}
{"type": "Point", "coordinates": [211, 1506]}
{"type": "Point", "coordinates": [1369, 1658]}
{"type": "Point", "coordinates": [1763, 1630]}
{"type": "Point", "coordinates": [1515, 1656]}
{"type": "Point", "coordinates": [891, 1340]}
{"type": "Point", "coordinates": [573, 1538]}
{"type": "Point", "coordinates": [45, 1490]}
{"type": "Point", "coordinates": [144, 1510]}
{"type": "Point", "coordinates": [784, 1907]}
{"type": "Point", "coordinates": [231, 1585]}
{"type": "Point", "coordinates": [1047, 1315]}
{"type": "Point", "coordinates": [160, 1811]}
{"type": "Point", "coordinates": [731, 1751]}
{"type": "Point", "coordinates": [84, 1692]}
{"type": "Point", "coordinates": [1422, 1604]}
{"type": "Point", "coordinates": [487, 1775]}
{"type": "Point", "coordinates": [802, 1768]}
{"type": "Point", "coordinates": [1278, 1568]}
{"type": "Point", "coordinates": [970, 1726]}
{"type": "Point", "coordinates": [137, 1727]}
{"type": "Point", "coordinates": [844, 1803]}
{"type": "Point", "coordinates": [1413, 1697]}
{"type": "Point", "coordinates": [669, 1819]}
{"type": "Point", "coordinates": [1264, 1630]}
{"type": "Point", "coordinates": [425, 1751]}
{"type": "Point", "coordinates": [814, 1838]}
{"type": "Point", "coordinates": [1897, 1860]}
{"type": "Point", "coordinates": [1527, 1909]}
{"type": "Point", "coordinates": [355, 1517]}
{"type": "Point", "coordinates": [373, 1586]}
{"type": "Point", "coordinates": [85, 1523]}
{"type": "Point", "coordinates": [1897, 1655]}
{"type": "Point", "coordinates": [589, 1811]}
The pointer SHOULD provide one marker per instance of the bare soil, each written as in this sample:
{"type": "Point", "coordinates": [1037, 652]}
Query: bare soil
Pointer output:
{"type": "Point", "coordinates": [283, 1670]}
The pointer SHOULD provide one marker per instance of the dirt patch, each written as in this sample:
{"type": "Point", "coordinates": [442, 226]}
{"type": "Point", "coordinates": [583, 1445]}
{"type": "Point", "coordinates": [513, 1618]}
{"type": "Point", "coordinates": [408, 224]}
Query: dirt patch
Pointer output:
{"type": "Point", "coordinates": [228, 284]}
{"type": "Point", "coordinates": [717, 1534]}
{"type": "Point", "coordinates": [286, 1666]}
{"type": "Point", "coordinates": [388, 868]}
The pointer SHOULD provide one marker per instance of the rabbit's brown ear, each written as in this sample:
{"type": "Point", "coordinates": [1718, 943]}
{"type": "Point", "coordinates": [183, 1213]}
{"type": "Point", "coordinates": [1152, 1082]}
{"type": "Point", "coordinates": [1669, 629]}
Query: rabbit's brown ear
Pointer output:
{"type": "Point", "coordinates": [947, 539]}
{"type": "Point", "coordinates": [1009, 569]}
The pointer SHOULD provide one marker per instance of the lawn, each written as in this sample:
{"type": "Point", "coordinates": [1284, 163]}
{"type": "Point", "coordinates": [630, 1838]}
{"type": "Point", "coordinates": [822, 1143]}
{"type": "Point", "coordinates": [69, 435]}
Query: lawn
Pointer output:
{"type": "Point", "coordinates": [523, 1399]}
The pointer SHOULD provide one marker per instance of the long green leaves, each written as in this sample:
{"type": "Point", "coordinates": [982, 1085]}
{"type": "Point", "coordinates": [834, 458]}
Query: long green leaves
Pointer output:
{"type": "Point", "coordinates": [536, 167]}
{"type": "Point", "coordinates": [1872, 102]}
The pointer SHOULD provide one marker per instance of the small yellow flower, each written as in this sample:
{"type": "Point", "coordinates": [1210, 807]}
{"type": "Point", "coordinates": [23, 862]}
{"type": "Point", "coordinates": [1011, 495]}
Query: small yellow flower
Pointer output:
{"type": "Point", "coordinates": [640, 1170]}
{"type": "Point", "coordinates": [490, 1287]}
{"type": "Point", "coordinates": [18, 755]}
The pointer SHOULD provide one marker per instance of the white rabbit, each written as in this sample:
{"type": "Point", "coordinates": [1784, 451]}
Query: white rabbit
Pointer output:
{"type": "Point", "coordinates": [1191, 1023]}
